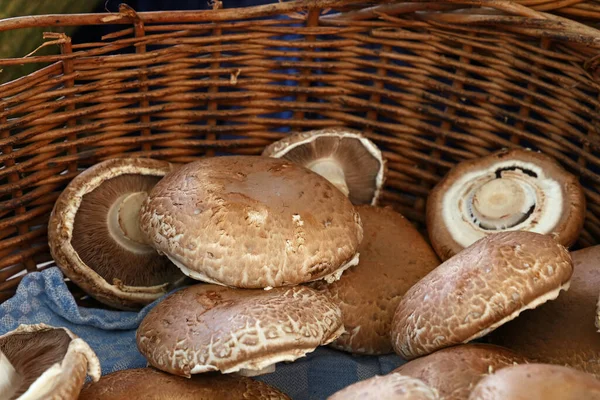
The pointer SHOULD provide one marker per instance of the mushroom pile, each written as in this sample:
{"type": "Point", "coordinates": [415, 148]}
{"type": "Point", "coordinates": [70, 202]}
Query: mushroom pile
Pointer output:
{"type": "Point", "coordinates": [258, 260]}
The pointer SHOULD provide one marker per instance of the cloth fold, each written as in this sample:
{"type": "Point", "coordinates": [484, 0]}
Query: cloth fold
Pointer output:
{"type": "Point", "coordinates": [44, 297]}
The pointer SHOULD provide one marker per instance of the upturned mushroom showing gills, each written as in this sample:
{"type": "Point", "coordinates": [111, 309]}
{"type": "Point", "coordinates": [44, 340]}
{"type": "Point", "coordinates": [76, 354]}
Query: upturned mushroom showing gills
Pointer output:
{"type": "Point", "coordinates": [207, 327]}
{"type": "Point", "coordinates": [40, 362]}
{"type": "Point", "coordinates": [95, 239]}
{"type": "Point", "coordinates": [505, 191]}
{"type": "Point", "coordinates": [344, 156]}
{"type": "Point", "coordinates": [151, 384]}
{"type": "Point", "coordinates": [454, 371]}
{"type": "Point", "coordinates": [387, 387]}
{"type": "Point", "coordinates": [537, 382]}
{"type": "Point", "coordinates": [481, 288]}
{"type": "Point", "coordinates": [393, 257]}
{"type": "Point", "coordinates": [252, 222]}
{"type": "Point", "coordinates": [562, 331]}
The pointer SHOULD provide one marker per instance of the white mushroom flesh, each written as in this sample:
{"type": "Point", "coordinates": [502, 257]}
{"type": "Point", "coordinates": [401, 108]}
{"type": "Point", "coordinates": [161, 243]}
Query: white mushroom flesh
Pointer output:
{"type": "Point", "coordinates": [9, 379]}
{"type": "Point", "coordinates": [509, 195]}
{"type": "Point", "coordinates": [332, 171]}
{"type": "Point", "coordinates": [256, 372]}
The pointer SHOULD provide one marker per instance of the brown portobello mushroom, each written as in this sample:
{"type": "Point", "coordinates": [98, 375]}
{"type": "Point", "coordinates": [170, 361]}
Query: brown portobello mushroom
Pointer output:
{"type": "Point", "coordinates": [151, 384]}
{"type": "Point", "coordinates": [252, 222]}
{"type": "Point", "coordinates": [388, 387]}
{"type": "Point", "coordinates": [481, 288]}
{"type": "Point", "coordinates": [562, 331]}
{"type": "Point", "coordinates": [537, 382]}
{"type": "Point", "coordinates": [344, 156]}
{"type": "Point", "coordinates": [39, 362]}
{"type": "Point", "coordinates": [393, 257]}
{"type": "Point", "coordinates": [94, 234]}
{"type": "Point", "coordinates": [207, 327]}
{"type": "Point", "coordinates": [455, 370]}
{"type": "Point", "coordinates": [507, 190]}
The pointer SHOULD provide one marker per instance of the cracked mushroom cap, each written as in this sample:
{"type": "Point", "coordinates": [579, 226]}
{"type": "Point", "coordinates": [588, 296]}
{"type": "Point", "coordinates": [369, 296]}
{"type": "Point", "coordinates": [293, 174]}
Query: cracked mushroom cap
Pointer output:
{"type": "Point", "coordinates": [537, 382]}
{"type": "Point", "coordinates": [151, 384]}
{"type": "Point", "coordinates": [505, 191]}
{"type": "Point", "coordinates": [562, 331]}
{"type": "Point", "coordinates": [454, 371]}
{"type": "Point", "coordinates": [393, 257]}
{"type": "Point", "coordinates": [207, 327]}
{"type": "Point", "coordinates": [252, 222]}
{"type": "Point", "coordinates": [481, 288]}
{"type": "Point", "coordinates": [344, 156]}
{"type": "Point", "coordinates": [39, 362]}
{"type": "Point", "coordinates": [387, 387]}
{"type": "Point", "coordinates": [94, 234]}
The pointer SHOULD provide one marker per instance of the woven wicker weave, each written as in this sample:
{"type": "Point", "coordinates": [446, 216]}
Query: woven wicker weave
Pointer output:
{"type": "Point", "coordinates": [432, 83]}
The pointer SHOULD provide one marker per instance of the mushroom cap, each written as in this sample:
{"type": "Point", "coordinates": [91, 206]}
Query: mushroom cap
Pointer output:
{"type": "Point", "coordinates": [87, 252]}
{"type": "Point", "coordinates": [479, 289]}
{"type": "Point", "coordinates": [252, 222]}
{"type": "Point", "coordinates": [151, 384]}
{"type": "Point", "coordinates": [537, 382]}
{"type": "Point", "coordinates": [50, 362]}
{"type": "Point", "coordinates": [455, 370]}
{"type": "Point", "coordinates": [209, 327]}
{"type": "Point", "coordinates": [561, 331]}
{"type": "Point", "coordinates": [362, 165]}
{"type": "Point", "coordinates": [393, 386]}
{"type": "Point", "coordinates": [393, 257]}
{"type": "Point", "coordinates": [535, 194]}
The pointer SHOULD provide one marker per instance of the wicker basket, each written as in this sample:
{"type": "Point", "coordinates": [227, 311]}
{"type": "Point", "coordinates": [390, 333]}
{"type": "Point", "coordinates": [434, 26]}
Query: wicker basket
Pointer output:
{"type": "Point", "coordinates": [431, 82]}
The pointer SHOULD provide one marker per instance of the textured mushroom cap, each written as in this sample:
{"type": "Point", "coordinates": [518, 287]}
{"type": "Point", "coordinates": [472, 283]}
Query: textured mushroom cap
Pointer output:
{"type": "Point", "coordinates": [387, 387]}
{"type": "Point", "coordinates": [562, 331]}
{"type": "Point", "coordinates": [482, 287]}
{"type": "Point", "coordinates": [537, 382]}
{"type": "Point", "coordinates": [454, 371]}
{"type": "Point", "coordinates": [209, 327]}
{"type": "Point", "coordinates": [393, 257]}
{"type": "Point", "coordinates": [252, 222]}
{"type": "Point", "coordinates": [110, 273]}
{"type": "Point", "coordinates": [151, 384]}
{"type": "Point", "coordinates": [52, 363]}
{"type": "Point", "coordinates": [362, 165]}
{"type": "Point", "coordinates": [560, 211]}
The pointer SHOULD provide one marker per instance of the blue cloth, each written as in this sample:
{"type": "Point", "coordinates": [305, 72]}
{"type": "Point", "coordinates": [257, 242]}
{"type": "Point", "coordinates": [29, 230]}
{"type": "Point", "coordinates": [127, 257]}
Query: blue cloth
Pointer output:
{"type": "Point", "coordinates": [44, 297]}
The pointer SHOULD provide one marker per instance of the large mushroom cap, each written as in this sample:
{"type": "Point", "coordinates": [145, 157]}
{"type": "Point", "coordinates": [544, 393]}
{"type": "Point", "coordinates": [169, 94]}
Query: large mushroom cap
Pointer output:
{"type": "Point", "coordinates": [393, 257]}
{"type": "Point", "coordinates": [562, 331]}
{"type": "Point", "coordinates": [206, 327]}
{"type": "Point", "coordinates": [252, 222]}
{"type": "Point", "coordinates": [481, 288]}
{"type": "Point", "coordinates": [344, 156]}
{"type": "Point", "coordinates": [40, 362]}
{"type": "Point", "coordinates": [387, 387]}
{"type": "Point", "coordinates": [505, 191]}
{"type": "Point", "coordinates": [454, 371]}
{"type": "Point", "coordinates": [151, 384]}
{"type": "Point", "coordinates": [537, 382]}
{"type": "Point", "coordinates": [94, 235]}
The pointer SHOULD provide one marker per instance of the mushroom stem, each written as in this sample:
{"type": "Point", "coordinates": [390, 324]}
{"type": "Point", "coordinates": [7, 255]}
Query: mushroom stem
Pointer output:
{"type": "Point", "coordinates": [256, 372]}
{"type": "Point", "coordinates": [332, 171]}
{"type": "Point", "coordinates": [9, 379]}
{"type": "Point", "coordinates": [123, 222]}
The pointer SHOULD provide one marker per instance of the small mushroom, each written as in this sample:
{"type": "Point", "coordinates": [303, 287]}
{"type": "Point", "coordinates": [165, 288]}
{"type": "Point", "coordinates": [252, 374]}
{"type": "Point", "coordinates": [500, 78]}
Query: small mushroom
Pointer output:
{"type": "Point", "coordinates": [252, 222]}
{"type": "Point", "coordinates": [481, 288]}
{"type": "Point", "coordinates": [207, 327]}
{"type": "Point", "coordinates": [537, 382]}
{"type": "Point", "coordinates": [149, 383]}
{"type": "Point", "coordinates": [454, 371]}
{"type": "Point", "coordinates": [95, 239]}
{"type": "Point", "coordinates": [39, 362]}
{"type": "Point", "coordinates": [562, 331]}
{"type": "Point", "coordinates": [505, 191]}
{"type": "Point", "coordinates": [344, 156]}
{"type": "Point", "coordinates": [387, 387]}
{"type": "Point", "coordinates": [394, 256]}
